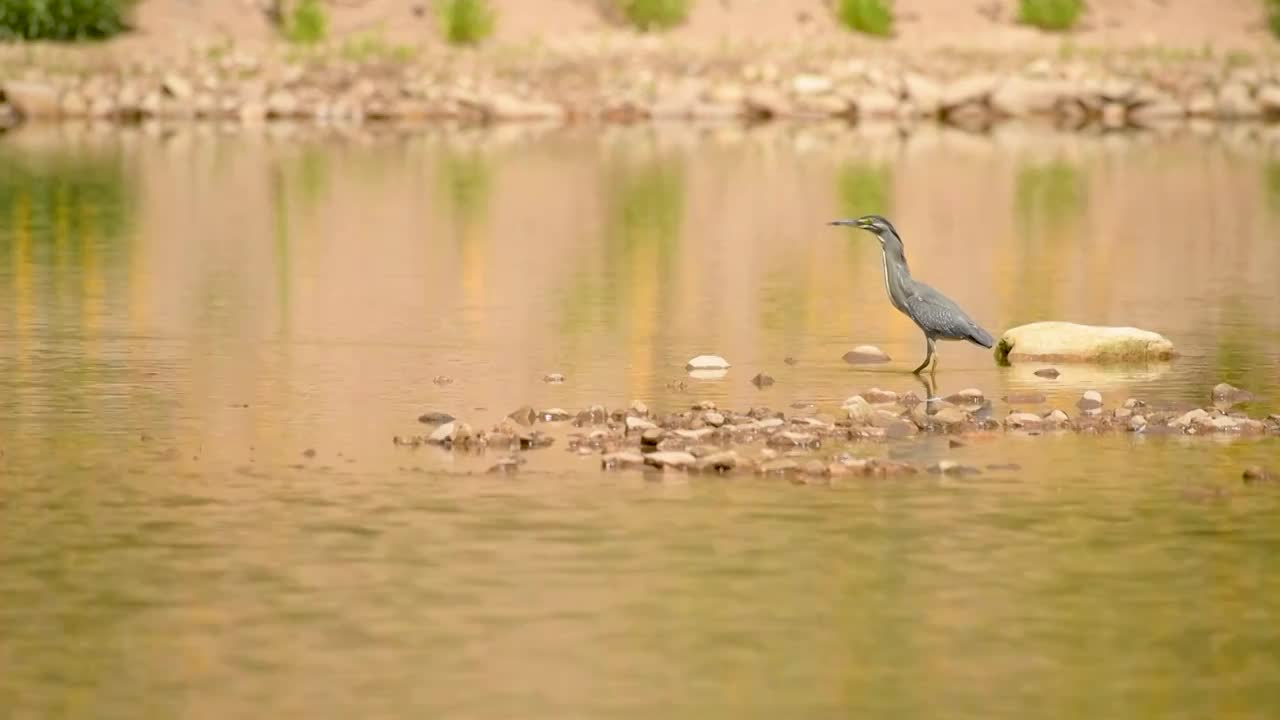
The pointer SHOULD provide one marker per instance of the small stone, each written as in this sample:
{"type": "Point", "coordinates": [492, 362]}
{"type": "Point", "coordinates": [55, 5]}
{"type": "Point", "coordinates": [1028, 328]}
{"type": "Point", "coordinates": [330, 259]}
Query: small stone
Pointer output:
{"type": "Point", "coordinates": [309, 453]}
{"type": "Point", "coordinates": [1057, 417]}
{"type": "Point", "coordinates": [1090, 402]}
{"type": "Point", "coordinates": [1189, 418]}
{"type": "Point", "coordinates": [435, 418]}
{"type": "Point", "coordinates": [442, 380]}
{"type": "Point", "coordinates": [553, 378]}
{"type": "Point", "coordinates": [1256, 474]}
{"type": "Point", "coordinates": [718, 462]}
{"type": "Point", "coordinates": [554, 415]}
{"type": "Point", "coordinates": [949, 417]}
{"type": "Point", "coordinates": [670, 458]}
{"type": "Point", "coordinates": [524, 415]}
{"type": "Point", "coordinates": [31, 99]}
{"type": "Point", "coordinates": [789, 360]}
{"type": "Point", "coordinates": [628, 458]}
{"type": "Point", "coordinates": [638, 408]}
{"type": "Point", "coordinates": [637, 423]}
{"type": "Point", "coordinates": [1050, 373]}
{"type": "Point", "coordinates": [713, 418]}
{"type": "Point", "coordinates": [651, 437]}
{"type": "Point", "coordinates": [1023, 420]}
{"type": "Point", "coordinates": [1225, 395]}
{"type": "Point", "coordinates": [876, 396]}
{"type": "Point", "coordinates": [176, 86]}
{"type": "Point", "coordinates": [707, 362]}
{"type": "Point", "coordinates": [282, 104]}
{"type": "Point", "coordinates": [807, 84]}
{"type": "Point", "coordinates": [865, 354]}
{"type": "Point", "coordinates": [762, 380]}
{"type": "Point", "coordinates": [968, 396]}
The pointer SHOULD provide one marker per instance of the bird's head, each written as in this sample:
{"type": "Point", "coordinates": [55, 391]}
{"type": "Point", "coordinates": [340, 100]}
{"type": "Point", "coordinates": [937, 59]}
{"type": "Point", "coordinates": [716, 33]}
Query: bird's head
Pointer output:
{"type": "Point", "coordinates": [875, 224]}
{"type": "Point", "coordinates": [880, 227]}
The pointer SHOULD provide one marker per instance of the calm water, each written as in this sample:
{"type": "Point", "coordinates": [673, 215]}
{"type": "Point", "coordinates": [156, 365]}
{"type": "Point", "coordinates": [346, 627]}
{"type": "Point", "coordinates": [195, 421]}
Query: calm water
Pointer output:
{"type": "Point", "coordinates": [182, 316]}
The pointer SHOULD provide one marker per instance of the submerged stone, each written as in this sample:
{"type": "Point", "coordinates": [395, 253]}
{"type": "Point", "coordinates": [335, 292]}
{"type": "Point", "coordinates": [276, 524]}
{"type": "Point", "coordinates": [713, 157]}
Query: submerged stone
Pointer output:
{"type": "Point", "coordinates": [866, 354]}
{"type": "Point", "coordinates": [553, 378]}
{"type": "Point", "coordinates": [1256, 474]}
{"type": "Point", "coordinates": [707, 362]}
{"type": "Point", "coordinates": [762, 380]}
{"type": "Point", "coordinates": [1050, 373]}
{"type": "Point", "coordinates": [435, 418]}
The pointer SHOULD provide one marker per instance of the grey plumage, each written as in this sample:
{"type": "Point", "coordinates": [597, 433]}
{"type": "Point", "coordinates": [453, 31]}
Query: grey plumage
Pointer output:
{"type": "Point", "coordinates": [937, 316]}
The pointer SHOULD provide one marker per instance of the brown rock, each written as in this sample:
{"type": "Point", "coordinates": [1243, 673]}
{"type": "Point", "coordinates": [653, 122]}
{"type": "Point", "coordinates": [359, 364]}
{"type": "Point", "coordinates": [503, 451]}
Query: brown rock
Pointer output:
{"type": "Point", "coordinates": [32, 100]}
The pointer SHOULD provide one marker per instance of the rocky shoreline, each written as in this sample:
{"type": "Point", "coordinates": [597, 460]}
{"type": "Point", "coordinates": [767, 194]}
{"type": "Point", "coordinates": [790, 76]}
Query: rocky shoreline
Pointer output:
{"type": "Point", "coordinates": [646, 85]}
{"type": "Point", "coordinates": [811, 446]}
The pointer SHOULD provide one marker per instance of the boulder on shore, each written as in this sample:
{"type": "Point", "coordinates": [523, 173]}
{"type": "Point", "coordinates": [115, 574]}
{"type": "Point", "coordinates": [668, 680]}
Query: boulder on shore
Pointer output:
{"type": "Point", "coordinates": [1068, 342]}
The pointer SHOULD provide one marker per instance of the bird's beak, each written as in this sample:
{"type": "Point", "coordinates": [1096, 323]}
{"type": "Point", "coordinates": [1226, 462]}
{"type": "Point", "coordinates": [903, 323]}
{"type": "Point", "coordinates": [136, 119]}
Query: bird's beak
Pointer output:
{"type": "Point", "coordinates": [847, 223]}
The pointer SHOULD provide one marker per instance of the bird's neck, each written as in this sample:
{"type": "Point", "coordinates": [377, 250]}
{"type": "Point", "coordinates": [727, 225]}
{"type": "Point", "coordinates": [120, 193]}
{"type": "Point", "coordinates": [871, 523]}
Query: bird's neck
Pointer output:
{"type": "Point", "coordinates": [897, 277]}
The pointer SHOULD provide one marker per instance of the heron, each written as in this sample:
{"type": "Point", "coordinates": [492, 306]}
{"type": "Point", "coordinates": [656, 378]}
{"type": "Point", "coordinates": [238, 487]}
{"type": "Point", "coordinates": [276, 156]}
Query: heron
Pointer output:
{"type": "Point", "coordinates": [937, 316]}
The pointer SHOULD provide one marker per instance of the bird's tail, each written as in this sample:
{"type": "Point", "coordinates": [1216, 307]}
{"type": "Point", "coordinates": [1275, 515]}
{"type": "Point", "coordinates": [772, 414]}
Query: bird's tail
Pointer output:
{"type": "Point", "coordinates": [982, 337]}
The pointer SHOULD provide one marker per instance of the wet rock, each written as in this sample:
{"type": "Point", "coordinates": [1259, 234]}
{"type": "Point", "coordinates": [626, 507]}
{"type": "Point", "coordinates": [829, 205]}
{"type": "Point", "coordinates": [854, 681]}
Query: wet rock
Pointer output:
{"type": "Point", "coordinates": [968, 396]}
{"type": "Point", "coordinates": [924, 93]}
{"type": "Point", "coordinates": [638, 409]}
{"type": "Point", "coordinates": [1189, 418]}
{"type": "Point", "coordinates": [973, 89]}
{"type": "Point", "coordinates": [595, 415]}
{"type": "Point", "coordinates": [806, 84]}
{"type": "Point", "coordinates": [859, 411]}
{"type": "Point", "coordinates": [900, 429]}
{"type": "Point", "coordinates": [1225, 396]}
{"type": "Point", "coordinates": [435, 418]}
{"type": "Point", "coordinates": [1090, 403]}
{"type": "Point", "coordinates": [1235, 102]}
{"type": "Point", "coordinates": [815, 468]}
{"type": "Point", "coordinates": [553, 378]}
{"type": "Point", "coordinates": [451, 433]}
{"type": "Point", "coordinates": [1134, 403]}
{"type": "Point", "coordinates": [1019, 97]}
{"type": "Point", "coordinates": [951, 467]}
{"type": "Point", "coordinates": [1023, 420]}
{"type": "Point", "coordinates": [876, 396]}
{"type": "Point", "coordinates": [717, 462]}
{"type": "Point", "coordinates": [1224, 423]}
{"type": "Point", "coordinates": [866, 354]}
{"type": "Point", "coordinates": [1050, 373]}
{"type": "Point", "coordinates": [1026, 398]}
{"type": "Point", "coordinates": [909, 400]}
{"type": "Point", "coordinates": [505, 466]}
{"type": "Point", "coordinates": [1082, 343]}
{"type": "Point", "coordinates": [554, 415]}
{"type": "Point", "coordinates": [1057, 417]}
{"type": "Point", "coordinates": [949, 417]}
{"type": "Point", "coordinates": [524, 415]}
{"type": "Point", "coordinates": [1122, 413]}
{"type": "Point", "coordinates": [707, 362]}
{"type": "Point", "coordinates": [695, 435]}
{"type": "Point", "coordinates": [670, 458]}
{"type": "Point", "coordinates": [781, 467]}
{"type": "Point", "coordinates": [31, 99]}
{"type": "Point", "coordinates": [612, 461]}
{"type": "Point", "coordinates": [789, 439]}
{"type": "Point", "coordinates": [638, 424]}
{"type": "Point", "coordinates": [876, 104]}
{"type": "Point", "coordinates": [176, 86]}
{"type": "Point", "coordinates": [1256, 474]}
{"type": "Point", "coordinates": [762, 380]}
{"type": "Point", "coordinates": [789, 360]}
{"type": "Point", "coordinates": [652, 436]}
{"type": "Point", "coordinates": [1137, 423]}
{"type": "Point", "coordinates": [442, 380]}
{"type": "Point", "coordinates": [713, 418]}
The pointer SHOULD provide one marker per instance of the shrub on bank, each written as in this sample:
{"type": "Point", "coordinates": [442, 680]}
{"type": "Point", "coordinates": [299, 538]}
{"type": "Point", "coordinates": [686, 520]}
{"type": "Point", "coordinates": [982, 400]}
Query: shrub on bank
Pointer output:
{"type": "Point", "coordinates": [307, 23]}
{"type": "Point", "coordinates": [873, 17]}
{"type": "Point", "coordinates": [1273, 16]}
{"type": "Point", "coordinates": [1050, 14]}
{"type": "Point", "coordinates": [62, 19]}
{"type": "Point", "coordinates": [466, 22]}
{"type": "Point", "coordinates": [654, 14]}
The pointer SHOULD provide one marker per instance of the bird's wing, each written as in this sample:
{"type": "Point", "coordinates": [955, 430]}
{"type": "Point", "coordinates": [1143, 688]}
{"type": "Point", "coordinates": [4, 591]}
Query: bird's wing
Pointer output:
{"type": "Point", "coordinates": [938, 315]}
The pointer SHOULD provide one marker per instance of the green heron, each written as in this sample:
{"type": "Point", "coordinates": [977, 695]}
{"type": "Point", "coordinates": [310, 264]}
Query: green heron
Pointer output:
{"type": "Point", "coordinates": [934, 313]}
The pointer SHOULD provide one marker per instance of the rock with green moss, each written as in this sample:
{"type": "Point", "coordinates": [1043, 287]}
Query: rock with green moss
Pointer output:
{"type": "Point", "coordinates": [1071, 342]}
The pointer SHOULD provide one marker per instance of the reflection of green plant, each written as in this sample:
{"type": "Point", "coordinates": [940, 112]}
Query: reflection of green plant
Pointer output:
{"type": "Point", "coordinates": [368, 46]}
{"type": "Point", "coordinates": [644, 209]}
{"type": "Point", "coordinates": [654, 14]}
{"type": "Point", "coordinates": [466, 22]}
{"type": "Point", "coordinates": [466, 179]}
{"type": "Point", "coordinates": [1050, 14]}
{"type": "Point", "coordinates": [873, 17]}
{"type": "Point", "coordinates": [1053, 192]}
{"type": "Point", "coordinates": [80, 195]}
{"type": "Point", "coordinates": [864, 189]}
{"type": "Point", "coordinates": [1272, 178]}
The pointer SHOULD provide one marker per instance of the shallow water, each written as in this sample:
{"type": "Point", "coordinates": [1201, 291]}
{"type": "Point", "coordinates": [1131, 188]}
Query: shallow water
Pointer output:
{"type": "Point", "coordinates": [183, 315]}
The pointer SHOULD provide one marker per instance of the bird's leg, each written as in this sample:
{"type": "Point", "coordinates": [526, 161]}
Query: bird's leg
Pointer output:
{"type": "Point", "coordinates": [936, 356]}
{"type": "Point", "coordinates": [927, 357]}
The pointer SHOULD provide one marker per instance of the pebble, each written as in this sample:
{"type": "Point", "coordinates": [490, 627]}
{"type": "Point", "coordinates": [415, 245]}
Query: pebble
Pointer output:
{"type": "Point", "coordinates": [1051, 373]}
{"type": "Point", "coordinates": [1225, 395]}
{"type": "Point", "coordinates": [1256, 474]}
{"type": "Point", "coordinates": [866, 354]}
{"type": "Point", "coordinates": [553, 378]}
{"type": "Point", "coordinates": [707, 362]}
{"type": "Point", "coordinates": [434, 418]}
{"type": "Point", "coordinates": [876, 396]}
{"type": "Point", "coordinates": [442, 380]}
{"type": "Point", "coordinates": [762, 380]}
{"type": "Point", "coordinates": [554, 415]}
{"type": "Point", "coordinates": [637, 423]}
{"type": "Point", "coordinates": [675, 459]}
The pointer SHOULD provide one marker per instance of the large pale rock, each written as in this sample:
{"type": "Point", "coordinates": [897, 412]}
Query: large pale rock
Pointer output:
{"type": "Point", "coordinates": [1019, 96]}
{"type": "Point", "coordinates": [32, 99]}
{"type": "Point", "coordinates": [1064, 341]}
{"type": "Point", "coordinates": [969, 89]}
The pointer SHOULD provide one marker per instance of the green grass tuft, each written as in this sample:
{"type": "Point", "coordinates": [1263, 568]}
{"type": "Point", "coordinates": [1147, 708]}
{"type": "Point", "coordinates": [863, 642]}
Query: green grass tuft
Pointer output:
{"type": "Point", "coordinates": [62, 20]}
{"type": "Point", "coordinates": [872, 17]}
{"type": "Point", "coordinates": [308, 24]}
{"type": "Point", "coordinates": [1050, 14]}
{"type": "Point", "coordinates": [466, 22]}
{"type": "Point", "coordinates": [1273, 16]}
{"type": "Point", "coordinates": [649, 15]}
